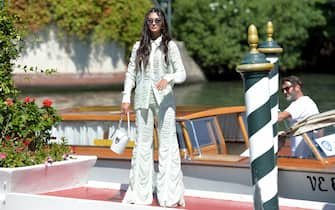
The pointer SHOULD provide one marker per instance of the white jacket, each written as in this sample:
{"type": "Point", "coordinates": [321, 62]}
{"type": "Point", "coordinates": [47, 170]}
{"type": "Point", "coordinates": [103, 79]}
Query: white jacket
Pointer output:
{"type": "Point", "coordinates": [145, 80]}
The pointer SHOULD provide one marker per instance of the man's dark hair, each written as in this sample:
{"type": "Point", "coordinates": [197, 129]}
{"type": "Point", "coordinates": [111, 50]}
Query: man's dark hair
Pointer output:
{"type": "Point", "coordinates": [294, 80]}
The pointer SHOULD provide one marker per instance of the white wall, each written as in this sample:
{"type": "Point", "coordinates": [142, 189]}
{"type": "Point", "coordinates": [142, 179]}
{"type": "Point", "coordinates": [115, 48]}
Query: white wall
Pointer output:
{"type": "Point", "coordinates": [45, 50]}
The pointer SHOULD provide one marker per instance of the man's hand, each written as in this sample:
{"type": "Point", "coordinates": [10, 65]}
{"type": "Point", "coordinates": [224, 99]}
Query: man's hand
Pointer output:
{"type": "Point", "coordinates": [282, 133]}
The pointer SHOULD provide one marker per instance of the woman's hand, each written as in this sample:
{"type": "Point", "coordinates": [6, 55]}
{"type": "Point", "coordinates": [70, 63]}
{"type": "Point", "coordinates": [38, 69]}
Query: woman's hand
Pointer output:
{"type": "Point", "coordinates": [161, 85]}
{"type": "Point", "coordinates": [125, 107]}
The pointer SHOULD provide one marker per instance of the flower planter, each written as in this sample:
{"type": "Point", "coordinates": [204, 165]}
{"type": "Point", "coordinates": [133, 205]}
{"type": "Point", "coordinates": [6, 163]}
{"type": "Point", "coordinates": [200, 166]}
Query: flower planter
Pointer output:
{"type": "Point", "coordinates": [43, 178]}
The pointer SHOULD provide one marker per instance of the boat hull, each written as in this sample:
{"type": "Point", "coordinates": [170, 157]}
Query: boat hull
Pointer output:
{"type": "Point", "coordinates": [304, 185]}
{"type": "Point", "coordinates": [213, 143]}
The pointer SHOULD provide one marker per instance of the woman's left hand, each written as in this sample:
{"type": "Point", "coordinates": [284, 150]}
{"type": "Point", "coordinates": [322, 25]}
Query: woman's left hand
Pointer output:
{"type": "Point", "coordinates": [161, 85]}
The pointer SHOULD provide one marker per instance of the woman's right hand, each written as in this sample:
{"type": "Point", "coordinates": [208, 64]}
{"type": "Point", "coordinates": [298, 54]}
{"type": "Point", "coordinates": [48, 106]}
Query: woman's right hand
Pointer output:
{"type": "Point", "coordinates": [125, 107]}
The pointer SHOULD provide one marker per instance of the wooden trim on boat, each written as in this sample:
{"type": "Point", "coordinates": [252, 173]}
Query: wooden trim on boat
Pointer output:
{"type": "Point", "coordinates": [243, 130]}
{"type": "Point", "coordinates": [104, 152]}
{"type": "Point", "coordinates": [314, 149]}
{"type": "Point", "coordinates": [221, 138]}
{"type": "Point", "coordinates": [113, 112]}
{"type": "Point", "coordinates": [209, 159]}
{"type": "Point", "coordinates": [219, 158]}
{"type": "Point", "coordinates": [298, 164]}
{"type": "Point", "coordinates": [187, 139]}
{"type": "Point", "coordinates": [98, 116]}
{"type": "Point", "coordinates": [212, 112]}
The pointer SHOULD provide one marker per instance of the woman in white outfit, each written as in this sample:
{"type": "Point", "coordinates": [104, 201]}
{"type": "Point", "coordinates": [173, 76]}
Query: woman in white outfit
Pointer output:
{"type": "Point", "coordinates": [155, 66]}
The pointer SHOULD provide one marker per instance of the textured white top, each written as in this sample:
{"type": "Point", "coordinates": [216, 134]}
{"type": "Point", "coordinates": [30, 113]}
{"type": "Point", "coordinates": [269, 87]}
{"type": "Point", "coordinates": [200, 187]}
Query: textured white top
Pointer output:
{"type": "Point", "coordinates": [157, 69]}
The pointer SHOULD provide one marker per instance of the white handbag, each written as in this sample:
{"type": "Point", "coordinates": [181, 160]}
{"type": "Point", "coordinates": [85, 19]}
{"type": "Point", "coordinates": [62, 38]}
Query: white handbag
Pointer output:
{"type": "Point", "coordinates": [120, 137]}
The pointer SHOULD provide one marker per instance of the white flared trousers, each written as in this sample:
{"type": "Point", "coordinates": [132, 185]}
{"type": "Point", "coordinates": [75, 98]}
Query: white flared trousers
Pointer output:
{"type": "Point", "coordinates": [169, 184]}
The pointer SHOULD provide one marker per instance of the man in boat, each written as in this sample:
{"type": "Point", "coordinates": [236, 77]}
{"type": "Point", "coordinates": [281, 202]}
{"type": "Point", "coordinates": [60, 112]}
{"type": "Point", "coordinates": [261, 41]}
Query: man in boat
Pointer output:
{"type": "Point", "coordinates": [300, 108]}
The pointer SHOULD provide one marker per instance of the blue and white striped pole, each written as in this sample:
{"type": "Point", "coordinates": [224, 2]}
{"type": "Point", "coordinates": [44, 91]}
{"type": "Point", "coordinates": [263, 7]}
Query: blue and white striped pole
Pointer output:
{"type": "Point", "coordinates": [255, 69]}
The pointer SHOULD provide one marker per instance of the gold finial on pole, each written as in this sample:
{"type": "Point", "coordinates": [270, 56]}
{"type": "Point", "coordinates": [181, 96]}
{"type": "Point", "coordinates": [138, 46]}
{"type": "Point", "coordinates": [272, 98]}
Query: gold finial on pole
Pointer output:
{"type": "Point", "coordinates": [269, 30]}
{"type": "Point", "coordinates": [253, 38]}
{"type": "Point", "coordinates": [270, 46]}
{"type": "Point", "coordinates": [254, 60]}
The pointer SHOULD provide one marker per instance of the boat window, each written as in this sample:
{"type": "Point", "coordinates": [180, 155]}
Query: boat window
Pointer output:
{"type": "Point", "coordinates": [230, 127]}
{"type": "Point", "coordinates": [202, 132]}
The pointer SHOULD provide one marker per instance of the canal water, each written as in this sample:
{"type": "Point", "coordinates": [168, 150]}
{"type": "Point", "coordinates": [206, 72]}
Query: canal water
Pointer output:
{"type": "Point", "coordinates": [320, 87]}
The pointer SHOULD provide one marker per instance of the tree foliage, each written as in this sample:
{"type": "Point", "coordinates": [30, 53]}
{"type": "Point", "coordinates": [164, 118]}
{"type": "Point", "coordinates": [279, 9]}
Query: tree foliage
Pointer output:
{"type": "Point", "coordinates": [10, 45]}
{"type": "Point", "coordinates": [215, 32]}
{"type": "Point", "coordinates": [99, 20]}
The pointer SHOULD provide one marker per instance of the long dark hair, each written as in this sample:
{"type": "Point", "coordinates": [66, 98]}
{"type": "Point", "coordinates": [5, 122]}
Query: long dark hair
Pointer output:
{"type": "Point", "coordinates": [143, 52]}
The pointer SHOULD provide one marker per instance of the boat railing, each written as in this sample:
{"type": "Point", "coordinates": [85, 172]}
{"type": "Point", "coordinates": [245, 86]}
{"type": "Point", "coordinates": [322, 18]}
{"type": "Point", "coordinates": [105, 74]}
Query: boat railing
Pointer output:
{"type": "Point", "coordinates": [89, 128]}
{"type": "Point", "coordinates": [201, 134]}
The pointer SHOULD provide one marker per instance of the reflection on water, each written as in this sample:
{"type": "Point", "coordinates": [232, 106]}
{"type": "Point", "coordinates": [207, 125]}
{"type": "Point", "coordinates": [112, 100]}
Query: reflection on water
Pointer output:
{"type": "Point", "coordinates": [225, 93]}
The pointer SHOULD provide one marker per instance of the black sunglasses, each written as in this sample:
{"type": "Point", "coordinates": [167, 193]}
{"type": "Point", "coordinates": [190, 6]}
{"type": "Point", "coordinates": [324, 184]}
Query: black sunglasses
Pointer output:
{"type": "Point", "coordinates": [286, 88]}
{"type": "Point", "coordinates": [152, 21]}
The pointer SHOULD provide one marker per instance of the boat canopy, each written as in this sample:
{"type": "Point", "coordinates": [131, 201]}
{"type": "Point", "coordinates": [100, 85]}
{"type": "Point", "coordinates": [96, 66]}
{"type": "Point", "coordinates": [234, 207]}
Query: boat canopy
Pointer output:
{"type": "Point", "coordinates": [313, 122]}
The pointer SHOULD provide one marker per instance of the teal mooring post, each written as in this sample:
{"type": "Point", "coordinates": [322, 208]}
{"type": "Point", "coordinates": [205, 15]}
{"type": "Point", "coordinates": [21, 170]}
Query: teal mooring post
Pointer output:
{"type": "Point", "coordinates": [255, 72]}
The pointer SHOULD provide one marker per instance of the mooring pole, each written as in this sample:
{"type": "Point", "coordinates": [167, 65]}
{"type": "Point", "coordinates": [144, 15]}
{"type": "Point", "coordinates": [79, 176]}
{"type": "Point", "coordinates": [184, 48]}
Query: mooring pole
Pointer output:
{"type": "Point", "coordinates": [255, 70]}
{"type": "Point", "coordinates": [272, 51]}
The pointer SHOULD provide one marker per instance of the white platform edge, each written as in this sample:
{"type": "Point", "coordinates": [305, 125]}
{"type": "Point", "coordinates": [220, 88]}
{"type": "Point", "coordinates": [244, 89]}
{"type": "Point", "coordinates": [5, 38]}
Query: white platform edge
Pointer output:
{"type": "Point", "coordinates": [23, 201]}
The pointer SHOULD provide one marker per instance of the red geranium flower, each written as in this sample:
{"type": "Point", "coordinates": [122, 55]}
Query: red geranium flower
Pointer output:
{"type": "Point", "coordinates": [27, 100]}
{"type": "Point", "coordinates": [47, 103]}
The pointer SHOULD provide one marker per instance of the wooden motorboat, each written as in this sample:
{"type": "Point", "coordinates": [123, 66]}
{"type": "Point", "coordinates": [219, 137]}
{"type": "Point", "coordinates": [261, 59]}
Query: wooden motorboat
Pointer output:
{"type": "Point", "coordinates": [211, 141]}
